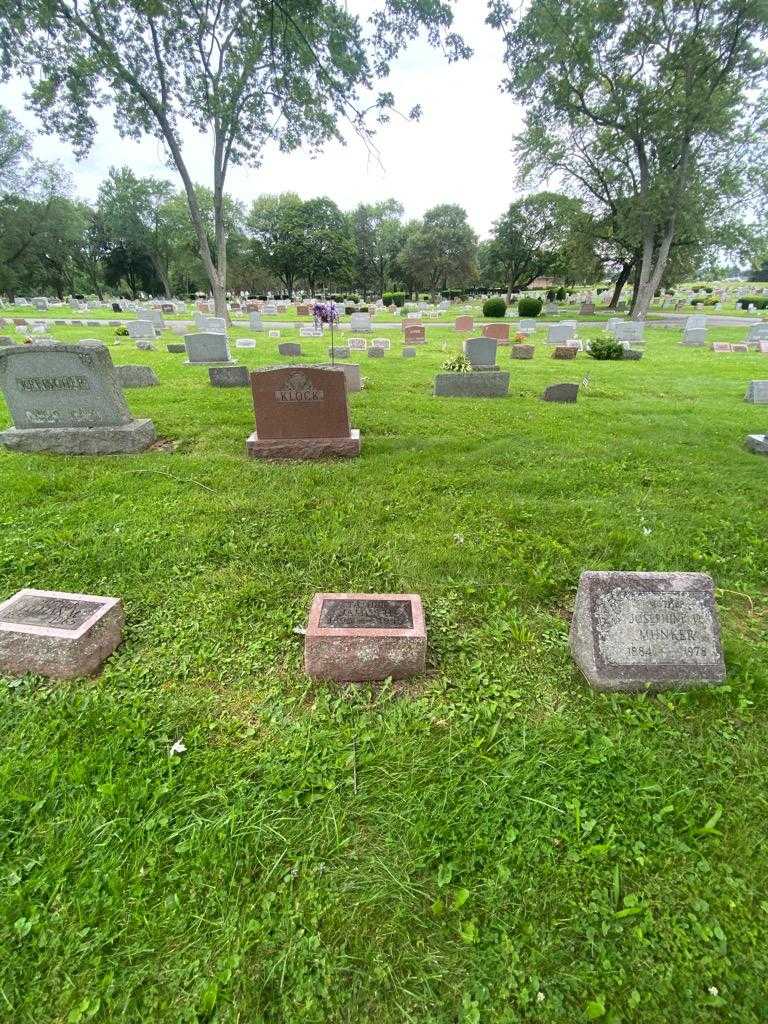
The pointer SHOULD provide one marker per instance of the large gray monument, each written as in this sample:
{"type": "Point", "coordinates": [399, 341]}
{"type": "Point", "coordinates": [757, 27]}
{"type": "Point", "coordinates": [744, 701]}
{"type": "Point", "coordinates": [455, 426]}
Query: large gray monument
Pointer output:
{"type": "Point", "coordinates": [66, 399]}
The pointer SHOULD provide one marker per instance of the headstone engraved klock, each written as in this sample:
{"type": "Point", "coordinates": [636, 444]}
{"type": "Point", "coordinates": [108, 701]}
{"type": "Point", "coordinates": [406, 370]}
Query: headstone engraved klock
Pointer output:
{"type": "Point", "coordinates": [636, 631]}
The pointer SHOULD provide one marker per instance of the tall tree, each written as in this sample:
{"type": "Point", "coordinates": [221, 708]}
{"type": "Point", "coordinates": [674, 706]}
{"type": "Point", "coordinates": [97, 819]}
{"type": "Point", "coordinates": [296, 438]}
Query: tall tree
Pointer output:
{"type": "Point", "coordinates": [442, 250]}
{"type": "Point", "coordinates": [532, 237]}
{"type": "Point", "coordinates": [671, 87]}
{"type": "Point", "coordinates": [277, 230]}
{"type": "Point", "coordinates": [377, 233]}
{"type": "Point", "coordinates": [245, 72]}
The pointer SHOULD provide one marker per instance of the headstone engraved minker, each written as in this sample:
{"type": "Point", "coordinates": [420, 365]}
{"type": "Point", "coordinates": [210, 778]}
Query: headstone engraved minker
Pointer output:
{"type": "Point", "coordinates": [66, 399]}
{"type": "Point", "coordinates": [56, 634]}
{"type": "Point", "coordinates": [301, 413]}
{"type": "Point", "coordinates": [638, 631]}
{"type": "Point", "coordinates": [360, 637]}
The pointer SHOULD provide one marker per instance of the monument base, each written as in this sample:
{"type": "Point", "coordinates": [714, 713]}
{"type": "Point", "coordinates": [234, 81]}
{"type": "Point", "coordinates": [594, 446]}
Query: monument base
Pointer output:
{"type": "Point", "coordinates": [758, 443]}
{"type": "Point", "coordinates": [125, 439]}
{"type": "Point", "coordinates": [209, 362]}
{"type": "Point", "coordinates": [303, 447]}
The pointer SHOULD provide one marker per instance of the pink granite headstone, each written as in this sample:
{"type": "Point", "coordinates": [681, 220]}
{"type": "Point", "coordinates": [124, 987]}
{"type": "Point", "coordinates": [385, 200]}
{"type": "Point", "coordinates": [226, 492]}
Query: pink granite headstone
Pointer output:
{"type": "Point", "coordinates": [498, 331]}
{"type": "Point", "coordinates": [464, 323]}
{"type": "Point", "coordinates": [415, 334]}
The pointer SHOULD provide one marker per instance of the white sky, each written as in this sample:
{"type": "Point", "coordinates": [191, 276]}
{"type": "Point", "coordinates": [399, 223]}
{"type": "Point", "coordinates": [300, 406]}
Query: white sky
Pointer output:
{"type": "Point", "coordinates": [460, 151]}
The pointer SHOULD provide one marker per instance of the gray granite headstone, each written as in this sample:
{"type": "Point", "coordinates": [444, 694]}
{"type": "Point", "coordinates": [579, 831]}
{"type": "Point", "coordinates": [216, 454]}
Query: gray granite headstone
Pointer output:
{"type": "Point", "coordinates": [135, 376]}
{"type": "Point", "coordinates": [351, 374]}
{"type": "Point", "coordinates": [561, 393]}
{"type": "Point", "coordinates": [757, 392]}
{"type": "Point", "coordinates": [141, 329]}
{"type": "Point", "coordinates": [409, 353]}
{"type": "Point", "coordinates": [758, 443]}
{"type": "Point", "coordinates": [522, 351]}
{"type": "Point", "coordinates": [206, 347]}
{"type": "Point", "coordinates": [481, 353]}
{"type": "Point", "coordinates": [695, 337]}
{"type": "Point", "coordinates": [176, 347]}
{"type": "Point", "coordinates": [229, 376]}
{"type": "Point", "coordinates": [145, 346]}
{"type": "Point", "coordinates": [289, 348]}
{"type": "Point", "coordinates": [67, 399]}
{"type": "Point", "coordinates": [245, 343]}
{"type": "Point", "coordinates": [558, 333]}
{"type": "Point", "coordinates": [637, 631]}
{"type": "Point", "coordinates": [339, 352]}
{"type": "Point", "coordinates": [376, 352]}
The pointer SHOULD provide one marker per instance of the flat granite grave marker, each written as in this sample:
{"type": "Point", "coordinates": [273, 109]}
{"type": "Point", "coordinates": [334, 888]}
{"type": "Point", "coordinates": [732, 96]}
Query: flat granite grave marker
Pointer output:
{"type": "Point", "coordinates": [301, 413]}
{"type": "Point", "coordinates": [339, 352]}
{"type": "Point", "coordinates": [229, 376]}
{"type": "Point", "coordinates": [409, 353]}
{"type": "Point", "coordinates": [138, 329]}
{"type": "Point", "coordinates": [757, 392]}
{"type": "Point", "coordinates": [66, 399]}
{"type": "Point", "coordinates": [176, 347]}
{"type": "Point", "coordinates": [365, 637]}
{"type": "Point", "coordinates": [480, 384]}
{"type": "Point", "coordinates": [245, 343]}
{"type": "Point", "coordinates": [59, 635]}
{"type": "Point", "coordinates": [136, 376]}
{"type": "Point", "coordinates": [758, 443]}
{"type": "Point", "coordinates": [376, 352]}
{"type": "Point", "coordinates": [564, 352]}
{"type": "Point", "coordinates": [638, 631]}
{"type": "Point", "coordinates": [567, 393]}
{"type": "Point", "coordinates": [206, 347]}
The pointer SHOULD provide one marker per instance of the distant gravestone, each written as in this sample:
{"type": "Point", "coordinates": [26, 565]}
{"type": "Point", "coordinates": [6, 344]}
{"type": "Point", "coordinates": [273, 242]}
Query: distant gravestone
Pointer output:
{"type": "Point", "coordinates": [229, 376]}
{"type": "Point", "coordinates": [758, 443]}
{"type": "Point", "coordinates": [415, 334]}
{"type": "Point", "coordinates": [339, 352]}
{"type": "Point", "coordinates": [384, 343]}
{"type": "Point", "coordinates": [145, 346]}
{"type": "Point", "coordinates": [361, 322]}
{"type": "Point", "coordinates": [357, 345]}
{"type": "Point", "coordinates": [721, 346]}
{"type": "Point", "coordinates": [206, 347]}
{"type": "Point", "coordinates": [481, 353]}
{"type": "Point", "coordinates": [739, 347]}
{"type": "Point", "coordinates": [409, 353]}
{"type": "Point", "coordinates": [564, 352]}
{"type": "Point", "coordinates": [351, 374]}
{"type": "Point", "coordinates": [245, 343]}
{"type": "Point", "coordinates": [522, 351]}
{"type": "Point", "coordinates": [638, 631]}
{"type": "Point", "coordinates": [176, 347]}
{"type": "Point", "coordinates": [289, 348]}
{"type": "Point", "coordinates": [695, 337]}
{"type": "Point", "coordinates": [376, 352]}
{"type": "Point", "coordinates": [255, 322]}
{"type": "Point", "coordinates": [141, 329]}
{"type": "Point", "coordinates": [464, 323]}
{"type": "Point", "coordinates": [567, 393]}
{"type": "Point", "coordinates": [134, 376]}
{"type": "Point", "coordinates": [66, 399]}
{"type": "Point", "coordinates": [499, 332]}
{"type": "Point", "coordinates": [757, 392]}
{"type": "Point", "coordinates": [58, 635]}
{"type": "Point", "coordinates": [301, 413]}
{"type": "Point", "coordinates": [587, 309]}
{"type": "Point", "coordinates": [485, 384]}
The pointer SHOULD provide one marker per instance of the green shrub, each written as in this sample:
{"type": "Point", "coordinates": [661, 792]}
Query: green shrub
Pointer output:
{"type": "Point", "coordinates": [495, 306]}
{"type": "Point", "coordinates": [753, 300]}
{"type": "Point", "coordinates": [711, 301]}
{"type": "Point", "coordinates": [561, 295]}
{"type": "Point", "coordinates": [697, 301]}
{"type": "Point", "coordinates": [399, 299]}
{"type": "Point", "coordinates": [551, 293]}
{"type": "Point", "coordinates": [388, 298]}
{"type": "Point", "coordinates": [121, 332]}
{"type": "Point", "coordinates": [459, 364]}
{"type": "Point", "coordinates": [527, 307]}
{"type": "Point", "coordinates": [606, 348]}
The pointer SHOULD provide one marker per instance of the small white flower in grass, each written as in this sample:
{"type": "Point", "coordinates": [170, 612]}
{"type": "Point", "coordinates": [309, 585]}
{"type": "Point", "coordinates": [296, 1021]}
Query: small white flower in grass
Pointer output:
{"type": "Point", "coordinates": [177, 748]}
{"type": "Point", "coordinates": [713, 990]}
{"type": "Point", "coordinates": [647, 531]}
{"type": "Point", "coordinates": [459, 538]}
{"type": "Point", "coordinates": [540, 997]}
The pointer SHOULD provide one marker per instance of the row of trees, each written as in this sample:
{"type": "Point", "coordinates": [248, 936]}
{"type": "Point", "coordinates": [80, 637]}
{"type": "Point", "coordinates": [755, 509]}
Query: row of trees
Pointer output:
{"type": "Point", "coordinates": [138, 237]}
{"type": "Point", "coordinates": [652, 112]}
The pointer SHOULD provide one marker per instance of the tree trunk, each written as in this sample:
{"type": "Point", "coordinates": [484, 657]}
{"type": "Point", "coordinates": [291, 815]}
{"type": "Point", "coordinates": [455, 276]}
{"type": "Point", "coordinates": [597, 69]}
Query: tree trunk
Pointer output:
{"type": "Point", "coordinates": [654, 261]}
{"type": "Point", "coordinates": [621, 280]}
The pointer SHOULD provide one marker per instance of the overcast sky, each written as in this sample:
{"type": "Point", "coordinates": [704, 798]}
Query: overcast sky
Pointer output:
{"type": "Point", "coordinates": [460, 151]}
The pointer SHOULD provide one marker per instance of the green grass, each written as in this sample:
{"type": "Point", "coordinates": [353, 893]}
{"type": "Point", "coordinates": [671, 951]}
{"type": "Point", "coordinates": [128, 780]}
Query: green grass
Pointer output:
{"type": "Point", "coordinates": [491, 844]}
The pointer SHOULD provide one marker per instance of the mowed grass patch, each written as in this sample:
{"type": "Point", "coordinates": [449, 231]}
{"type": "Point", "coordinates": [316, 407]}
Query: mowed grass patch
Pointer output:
{"type": "Point", "coordinates": [491, 843]}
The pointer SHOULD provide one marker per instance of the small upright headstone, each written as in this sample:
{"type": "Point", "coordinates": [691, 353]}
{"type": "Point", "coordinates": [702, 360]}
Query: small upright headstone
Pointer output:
{"type": "Point", "coordinates": [409, 353]}
{"type": "Point", "coordinates": [206, 347]}
{"type": "Point", "coordinates": [376, 352]}
{"type": "Point", "coordinates": [135, 376]}
{"type": "Point", "coordinates": [357, 345]}
{"type": "Point", "coordinates": [145, 346]}
{"type": "Point", "coordinates": [290, 348]}
{"type": "Point", "coordinates": [567, 393]}
{"type": "Point", "coordinates": [58, 635]}
{"type": "Point", "coordinates": [255, 322]}
{"type": "Point", "coordinates": [141, 329]}
{"type": "Point", "coordinates": [415, 334]}
{"type": "Point", "coordinates": [229, 376]}
{"type": "Point", "coordinates": [464, 323]}
{"type": "Point", "coordinates": [564, 352]}
{"type": "Point", "coordinates": [481, 353]}
{"type": "Point", "coordinates": [638, 631]}
{"type": "Point", "coordinates": [66, 399]}
{"type": "Point", "coordinates": [339, 352]}
{"type": "Point", "coordinates": [499, 332]}
{"type": "Point", "coordinates": [176, 347]}
{"type": "Point", "coordinates": [301, 413]}
{"type": "Point", "coordinates": [523, 351]}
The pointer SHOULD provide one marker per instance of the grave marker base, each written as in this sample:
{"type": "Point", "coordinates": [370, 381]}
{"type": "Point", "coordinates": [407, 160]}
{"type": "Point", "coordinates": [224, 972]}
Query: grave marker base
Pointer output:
{"type": "Point", "coordinates": [126, 439]}
{"type": "Point", "coordinates": [303, 447]}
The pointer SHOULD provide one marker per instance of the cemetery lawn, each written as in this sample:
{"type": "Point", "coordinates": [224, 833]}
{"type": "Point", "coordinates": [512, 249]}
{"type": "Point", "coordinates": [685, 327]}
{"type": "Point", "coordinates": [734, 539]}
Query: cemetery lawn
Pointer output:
{"type": "Point", "coordinates": [492, 844]}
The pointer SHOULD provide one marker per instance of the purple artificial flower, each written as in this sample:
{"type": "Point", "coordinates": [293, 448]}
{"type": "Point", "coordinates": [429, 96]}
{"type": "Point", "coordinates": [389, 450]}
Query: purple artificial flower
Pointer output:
{"type": "Point", "coordinates": [325, 313]}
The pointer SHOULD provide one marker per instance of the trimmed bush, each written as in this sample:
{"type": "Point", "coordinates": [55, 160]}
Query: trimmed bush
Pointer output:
{"type": "Point", "coordinates": [753, 300]}
{"type": "Point", "coordinates": [561, 295]}
{"type": "Point", "coordinates": [494, 307]}
{"type": "Point", "coordinates": [606, 348]}
{"type": "Point", "coordinates": [121, 332]}
{"type": "Point", "coordinates": [551, 293]}
{"type": "Point", "coordinates": [529, 307]}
